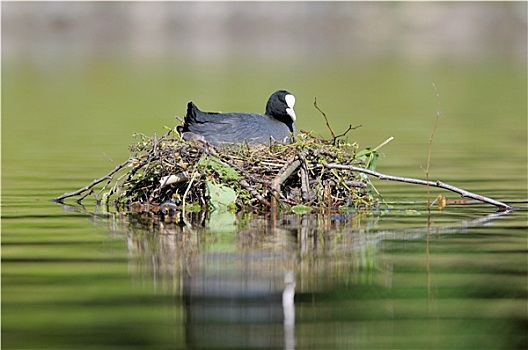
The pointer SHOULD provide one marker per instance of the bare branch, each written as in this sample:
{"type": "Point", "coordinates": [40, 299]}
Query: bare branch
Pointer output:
{"type": "Point", "coordinates": [93, 183]}
{"type": "Point", "coordinates": [439, 184]}
{"type": "Point", "coordinates": [350, 127]}
{"type": "Point", "coordinates": [383, 143]}
{"type": "Point", "coordinates": [325, 118]}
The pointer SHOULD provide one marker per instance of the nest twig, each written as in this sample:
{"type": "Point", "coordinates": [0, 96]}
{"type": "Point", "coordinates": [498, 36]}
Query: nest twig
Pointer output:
{"type": "Point", "coordinates": [171, 170]}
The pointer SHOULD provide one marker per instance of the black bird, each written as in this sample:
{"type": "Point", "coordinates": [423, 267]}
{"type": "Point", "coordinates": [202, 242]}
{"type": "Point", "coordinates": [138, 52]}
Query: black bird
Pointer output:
{"type": "Point", "coordinates": [277, 125]}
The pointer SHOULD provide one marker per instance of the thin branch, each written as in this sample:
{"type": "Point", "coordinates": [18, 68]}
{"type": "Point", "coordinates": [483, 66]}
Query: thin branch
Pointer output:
{"type": "Point", "coordinates": [93, 183]}
{"type": "Point", "coordinates": [287, 170]}
{"type": "Point", "coordinates": [252, 190]}
{"type": "Point", "coordinates": [439, 184]}
{"type": "Point", "coordinates": [326, 119]}
{"type": "Point", "coordinates": [305, 179]}
{"type": "Point", "coordinates": [79, 201]}
{"type": "Point", "coordinates": [193, 177]}
{"type": "Point", "coordinates": [110, 159]}
{"type": "Point", "coordinates": [334, 136]}
{"type": "Point", "coordinates": [350, 127]}
{"type": "Point", "coordinates": [383, 143]}
{"type": "Point", "coordinates": [430, 149]}
{"type": "Point", "coordinates": [179, 119]}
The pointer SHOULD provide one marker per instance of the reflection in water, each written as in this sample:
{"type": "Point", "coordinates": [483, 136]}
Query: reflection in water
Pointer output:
{"type": "Point", "coordinates": [238, 289]}
{"type": "Point", "coordinates": [286, 282]}
{"type": "Point", "coordinates": [288, 308]}
{"type": "Point", "coordinates": [233, 300]}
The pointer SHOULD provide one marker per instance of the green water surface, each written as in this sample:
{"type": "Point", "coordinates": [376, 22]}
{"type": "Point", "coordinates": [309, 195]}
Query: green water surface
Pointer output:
{"type": "Point", "coordinates": [82, 278]}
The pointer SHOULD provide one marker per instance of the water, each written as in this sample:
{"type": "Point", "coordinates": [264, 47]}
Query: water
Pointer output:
{"type": "Point", "coordinates": [75, 277]}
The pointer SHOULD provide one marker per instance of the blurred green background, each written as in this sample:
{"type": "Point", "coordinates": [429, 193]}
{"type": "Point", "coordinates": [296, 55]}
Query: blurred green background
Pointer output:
{"type": "Point", "coordinates": [79, 78]}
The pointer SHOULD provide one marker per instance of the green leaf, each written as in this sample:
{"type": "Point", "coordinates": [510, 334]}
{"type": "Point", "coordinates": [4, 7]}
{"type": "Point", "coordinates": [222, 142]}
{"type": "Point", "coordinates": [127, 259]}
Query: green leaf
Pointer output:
{"type": "Point", "coordinates": [220, 196]}
{"type": "Point", "coordinates": [373, 161]}
{"type": "Point", "coordinates": [363, 153]}
{"type": "Point", "coordinates": [225, 172]}
{"type": "Point", "coordinates": [369, 157]}
{"type": "Point", "coordinates": [301, 209]}
{"type": "Point", "coordinates": [193, 207]}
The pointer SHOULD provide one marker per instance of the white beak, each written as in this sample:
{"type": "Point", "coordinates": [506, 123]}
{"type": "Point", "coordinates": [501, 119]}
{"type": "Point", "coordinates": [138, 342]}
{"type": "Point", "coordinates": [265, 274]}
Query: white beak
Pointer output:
{"type": "Point", "coordinates": [290, 101]}
{"type": "Point", "coordinates": [291, 113]}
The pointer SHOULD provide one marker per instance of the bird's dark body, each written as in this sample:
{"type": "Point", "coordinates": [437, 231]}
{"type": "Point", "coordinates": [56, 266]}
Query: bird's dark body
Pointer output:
{"type": "Point", "coordinates": [221, 128]}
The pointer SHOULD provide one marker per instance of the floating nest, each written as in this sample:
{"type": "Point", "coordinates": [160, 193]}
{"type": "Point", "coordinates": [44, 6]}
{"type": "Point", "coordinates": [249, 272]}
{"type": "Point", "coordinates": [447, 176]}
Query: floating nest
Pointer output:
{"type": "Point", "coordinates": [171, 174]}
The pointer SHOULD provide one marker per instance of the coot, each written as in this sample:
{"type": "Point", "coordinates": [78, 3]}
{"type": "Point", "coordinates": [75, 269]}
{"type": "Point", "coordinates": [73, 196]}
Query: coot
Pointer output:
{"type": "Point", "coordinates": [277, 125]}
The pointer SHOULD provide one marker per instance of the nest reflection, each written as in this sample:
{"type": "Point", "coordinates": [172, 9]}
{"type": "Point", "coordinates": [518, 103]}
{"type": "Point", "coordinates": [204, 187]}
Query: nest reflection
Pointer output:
{"type": "Point", "coordinates": [323, 250]}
